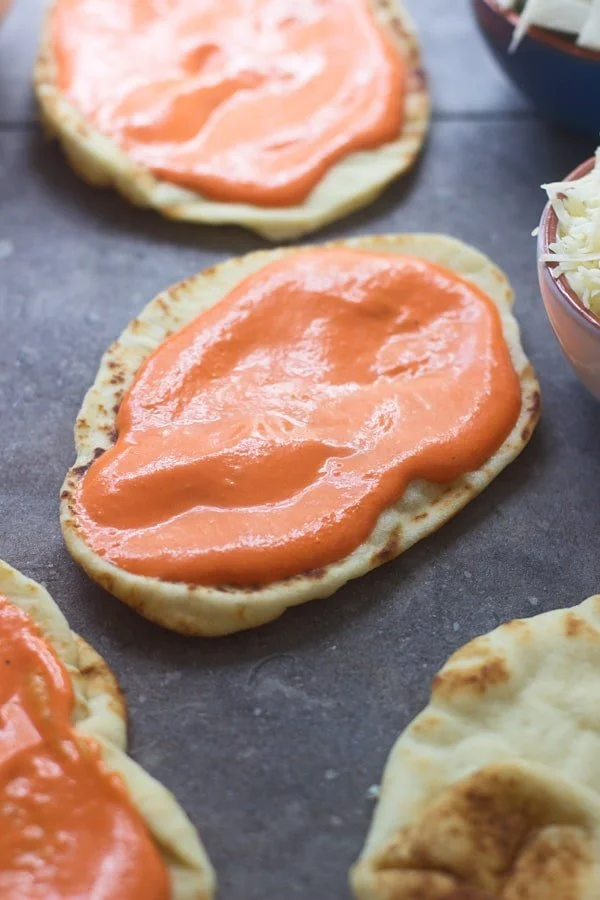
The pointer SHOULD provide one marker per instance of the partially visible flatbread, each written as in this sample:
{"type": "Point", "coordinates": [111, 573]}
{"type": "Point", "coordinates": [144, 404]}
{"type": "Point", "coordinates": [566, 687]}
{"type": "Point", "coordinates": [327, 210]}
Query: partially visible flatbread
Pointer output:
{"type": "Point", "coordinates": [351, 183]}
{"type": "Point", "coordinates": [100, 713]}
{"type": "Point", "coordinates": [209, 611]}
{"type": "Point", "coordinates": [493, 791]}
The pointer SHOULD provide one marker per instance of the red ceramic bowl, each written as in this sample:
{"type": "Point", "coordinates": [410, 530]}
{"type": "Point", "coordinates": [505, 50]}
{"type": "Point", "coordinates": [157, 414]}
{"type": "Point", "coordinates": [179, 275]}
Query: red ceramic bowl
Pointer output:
{"type": "Point", "coordinates": [577, 330]}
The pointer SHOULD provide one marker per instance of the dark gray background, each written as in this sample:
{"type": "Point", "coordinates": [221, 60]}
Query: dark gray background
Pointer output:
{"type": "Point", "coordinates": [271, 739]}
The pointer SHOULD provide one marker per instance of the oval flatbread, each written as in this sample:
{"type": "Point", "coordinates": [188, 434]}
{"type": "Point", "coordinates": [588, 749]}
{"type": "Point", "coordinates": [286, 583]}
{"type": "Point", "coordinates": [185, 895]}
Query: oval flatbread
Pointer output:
{"type": "Point", "coordinates": [351, 183]}
{"type": "Point", "coordinates": [493, 791]}
{"type": "Point", "coordinates": [100, 713]}
{"type": "Point", "coordinates": [209, 611]}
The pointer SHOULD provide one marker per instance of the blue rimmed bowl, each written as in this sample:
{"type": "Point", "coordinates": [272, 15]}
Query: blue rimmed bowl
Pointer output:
{"type": "Point", "coordinates": [560, 78]}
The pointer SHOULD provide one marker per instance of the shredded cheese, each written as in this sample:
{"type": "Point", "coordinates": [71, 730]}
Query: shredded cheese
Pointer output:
{"type": "Point", "coordinates": [576, 249]}
{"type": "Point", "coordinates": [581, 18]}
{"type": "Point", "coordinates": [589, 36]}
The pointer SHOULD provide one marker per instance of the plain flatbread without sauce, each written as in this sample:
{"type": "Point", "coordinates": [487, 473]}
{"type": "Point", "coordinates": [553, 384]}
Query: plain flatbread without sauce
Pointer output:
{"type": "Point", "coordinates": [352, 182]}
{"type": "Point", "coordinates": [493, 791]}
{"type": "Point", "coordinates": [210, 611]}
{"type": "Point", "coordinates": [100, 713]}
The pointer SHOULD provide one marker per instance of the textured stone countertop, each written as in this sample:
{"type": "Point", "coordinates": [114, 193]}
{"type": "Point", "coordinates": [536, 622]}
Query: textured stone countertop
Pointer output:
{"type": "Point", "coordinates": [272, 739]}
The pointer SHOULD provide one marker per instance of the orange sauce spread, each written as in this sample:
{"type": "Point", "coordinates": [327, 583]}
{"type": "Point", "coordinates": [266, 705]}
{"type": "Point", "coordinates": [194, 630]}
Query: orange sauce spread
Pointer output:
{"type": "Point", "coordinates": [266, 437]}
{"type": "Point", "coordinates": [242, 100]}
{"type": "Point", "coordinates": [67, 829]}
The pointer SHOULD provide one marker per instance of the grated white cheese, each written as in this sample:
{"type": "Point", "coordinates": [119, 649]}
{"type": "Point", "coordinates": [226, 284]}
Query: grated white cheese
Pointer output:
{"type": "Point", "coordinates": [589, 36]}
{"type": "Point", "coordinates": [577, 245]}
{"type": "Point", "coordinates": [581, 18]}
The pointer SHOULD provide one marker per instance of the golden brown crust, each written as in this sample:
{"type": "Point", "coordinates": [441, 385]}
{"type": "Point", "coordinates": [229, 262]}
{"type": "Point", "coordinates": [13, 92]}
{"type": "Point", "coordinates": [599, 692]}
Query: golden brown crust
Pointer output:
{"type": "Point", "coordinates": [355, 181]}
{"type": "Point", "coordinates": [424, 507]}
{"type": "Point", "coordinates": [100, 713]}
{"type": "Point", "coordinates": [505, 833]}
{"type": "Point", "coordinates": [102, 691]}
{"type": "Point", "coordinates": [494, 790]}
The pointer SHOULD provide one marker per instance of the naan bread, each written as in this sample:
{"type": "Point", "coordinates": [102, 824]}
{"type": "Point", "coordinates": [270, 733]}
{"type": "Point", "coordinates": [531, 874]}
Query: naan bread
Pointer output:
{"type": "Point", "coordinates": [100, 713]}
{"type": "Point", "coordinates": [351, 183]}
{"type": "Point", "coordinates": [193, 609]}
{"type": "Point", "coordinates": [493, 791]}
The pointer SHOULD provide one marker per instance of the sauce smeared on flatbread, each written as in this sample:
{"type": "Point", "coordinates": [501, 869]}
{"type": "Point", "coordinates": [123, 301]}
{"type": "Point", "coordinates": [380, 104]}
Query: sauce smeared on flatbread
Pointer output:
{"type": "Point", "coordinates": [265, 439]}
{"type": "Point", "coordinates": [241, 100]}
{"type": "Point", "coordinates": [68, 829]}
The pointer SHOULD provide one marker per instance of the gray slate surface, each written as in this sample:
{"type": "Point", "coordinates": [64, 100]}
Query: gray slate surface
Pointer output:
{"type": "Point", "coordinates": [271, 739]}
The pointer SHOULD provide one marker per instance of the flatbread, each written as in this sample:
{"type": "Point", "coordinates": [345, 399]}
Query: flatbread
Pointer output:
{"type": "Point", "coordinates": [100, 713]}
{"type": "Point", "coordinates": [193, 609]}
{"type": "Point", "coordinates": [493, 791]}
{"type": "Point", "coordinates": [351, 183]}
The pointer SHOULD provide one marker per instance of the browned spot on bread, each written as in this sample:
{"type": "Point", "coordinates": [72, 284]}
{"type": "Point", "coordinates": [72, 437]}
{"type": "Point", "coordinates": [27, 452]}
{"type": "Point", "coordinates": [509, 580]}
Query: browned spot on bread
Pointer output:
{"type": "Point", "coordinates": [391, 549]}
{"type": "Point", "coordinates": [521, 631]}
{"type": "Point", "coordinates": [477, 679]}
{"type": "Point", "coordinates": [80, 471]}
{"type": "Point", "coordinates": [576, 627]}
{"type": "Point", "coordinates": [420, 516]}
{"type": "Point", "coordinates": [425, 724]}
{"type": "Point", "coordinates": [117, 378]}
{"type": "Point", "coordinates": [559, 860]}
{"type": "Point", "coordinates": [407, 885]}
{"type": "Point", "coordinates": [314, 573]}
{"type": "Point", "coordinates": [534, 411]}
{"type": "Point", "coordinates": [180, 289]}
{"type": "Point", "coordinates": [475, 649]}
{"type": "Point", "coordinates": [496, 834]}
{"type": "Point", "coordinates": [94, 668]}
{"type": "Point", "coordinates": [106, 581]}
{"type": "Point", "coordinates": [449, 489]}
{"type": "Point", "coordinates": [229, 588]}
{"type": "Point", "coordinates": [99, 679]}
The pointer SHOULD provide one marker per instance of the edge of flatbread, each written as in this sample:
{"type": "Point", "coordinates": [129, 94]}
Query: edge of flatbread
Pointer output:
{"type": "Point", "coordinates": [349, 184]}
{"type": "Point", "coordinates": [495, 786]}
{"type": "Point", "coordinates": [211, 611]}
{"type": "Point", "coordinates": [100, 713]}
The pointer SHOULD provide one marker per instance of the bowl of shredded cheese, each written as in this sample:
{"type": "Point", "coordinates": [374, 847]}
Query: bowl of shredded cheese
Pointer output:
{"type": "Point", "coordinates": [569, 267]}
{"type": "Point", "coordinates": [551, 51]}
